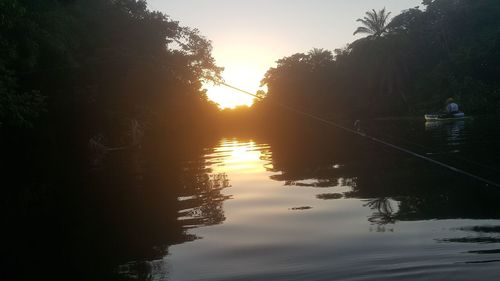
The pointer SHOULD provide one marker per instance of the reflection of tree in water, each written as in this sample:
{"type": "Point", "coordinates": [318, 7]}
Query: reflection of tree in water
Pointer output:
{"type": "Point", "coordinates": [418, 190]}
{"type": "Point", "coordinates": [311, 158]}
{"type": "Point", "coordinates": [450, 132]}
{"type": "Point", "coordinates": [266, 156]}
{"type": "Point", "coordinates": [384, 212]}
{"type": "Point", "coordinates": [478, 235]}
{"type": "Point", "coordinates": [317, 182]}
{"type": "Point", "coordinates": [175, 195]}
{"type": "Point", "coordinates": [395, 187]}
{"type": "Point", "coordinates": [323, 162]}
{"type": "Point", "coordinates": [202, 200]}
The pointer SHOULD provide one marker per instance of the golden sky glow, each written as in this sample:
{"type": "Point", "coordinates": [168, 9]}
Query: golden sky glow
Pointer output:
{"type": "Point", "coordinates": [248, 37]}
{"type": "Point", "coordinates": [244, 68]}
{"type": "Point", "coordinates": [244, 78]}
{"type": "Point", "coordinates": [227, 98]}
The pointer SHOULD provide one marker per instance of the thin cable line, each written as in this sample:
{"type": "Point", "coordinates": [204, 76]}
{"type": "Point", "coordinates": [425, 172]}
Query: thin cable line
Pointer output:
{"type": "Point", "coordinates": [491, 168]}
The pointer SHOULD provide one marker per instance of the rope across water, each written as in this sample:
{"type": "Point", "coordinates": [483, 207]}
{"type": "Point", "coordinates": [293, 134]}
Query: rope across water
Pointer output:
{"type": "Point", "coordinates": [374, 139]}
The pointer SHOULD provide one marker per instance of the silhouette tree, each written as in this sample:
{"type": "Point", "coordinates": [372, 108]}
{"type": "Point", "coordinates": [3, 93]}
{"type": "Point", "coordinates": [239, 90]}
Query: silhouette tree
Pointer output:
{"type": "Point", "coordinates": [319, 57]}
{"type": "Point", "coordinates": [374, 23]}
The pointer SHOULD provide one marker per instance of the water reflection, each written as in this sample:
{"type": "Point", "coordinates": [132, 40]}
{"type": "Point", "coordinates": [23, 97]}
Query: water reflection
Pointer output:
{"type": "Point", "coordinates": [453, 130]}
{"type": "Point", "coordinates": [287, 208]}
{"type": "Point", "coordinates": [384, 211]}
{"type": "Point", "coordinates": [244, 157]}
{"type": "Point", "coordinates": [201, 201]}
{"type": "Point", "coordinates": [477, 234]}
{"type": "Point", "coordinates": [272, 208]}
{"type": "Point", "coordinates": [203, 188]}
{"type": "Point", "coordinates": [295, 201]}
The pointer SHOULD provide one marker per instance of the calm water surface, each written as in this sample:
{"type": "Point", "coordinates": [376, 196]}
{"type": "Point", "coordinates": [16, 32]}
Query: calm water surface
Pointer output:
{"type": "Point", "coordinates": [332, 207]}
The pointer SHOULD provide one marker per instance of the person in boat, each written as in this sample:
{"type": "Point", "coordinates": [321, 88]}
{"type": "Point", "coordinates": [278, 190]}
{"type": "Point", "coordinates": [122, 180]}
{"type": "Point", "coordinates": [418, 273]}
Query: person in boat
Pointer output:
{"type": "Point", "coordinates": [451, 108]}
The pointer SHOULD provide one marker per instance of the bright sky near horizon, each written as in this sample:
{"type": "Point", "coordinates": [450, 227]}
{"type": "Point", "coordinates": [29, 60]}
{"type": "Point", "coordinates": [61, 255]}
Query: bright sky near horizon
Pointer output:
{"type": "Point", "coordinates": [249, 36]}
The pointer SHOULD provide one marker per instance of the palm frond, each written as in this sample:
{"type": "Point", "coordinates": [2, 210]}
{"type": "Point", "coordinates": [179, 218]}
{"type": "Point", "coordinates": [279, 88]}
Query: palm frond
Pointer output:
{"type": "Point", "coordinates": [374, 23]}
{"type": "Point", "coordinates": [363, 29]}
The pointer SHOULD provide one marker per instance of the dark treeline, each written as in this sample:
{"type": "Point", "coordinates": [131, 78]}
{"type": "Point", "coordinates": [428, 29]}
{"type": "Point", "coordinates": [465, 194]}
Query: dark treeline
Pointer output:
{"type": "Point", "coordinates": [113, 68]}
{"type": "Point", "coordinates": [100, 65]}
{"type": "Point", "coordinates": [407, 65]}
{"type": "Point", "coordinates": [117, 71]}
{"type": "Point", "coordinates": [100, 102]}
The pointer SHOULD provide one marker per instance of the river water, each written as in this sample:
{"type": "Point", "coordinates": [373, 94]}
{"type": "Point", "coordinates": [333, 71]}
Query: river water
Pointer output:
{"type": "Point", "coordinates": [329, 206]}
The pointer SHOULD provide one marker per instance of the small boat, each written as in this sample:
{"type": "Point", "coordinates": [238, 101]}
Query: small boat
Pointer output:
{"type": "Point", "coordinates": [445, 117]}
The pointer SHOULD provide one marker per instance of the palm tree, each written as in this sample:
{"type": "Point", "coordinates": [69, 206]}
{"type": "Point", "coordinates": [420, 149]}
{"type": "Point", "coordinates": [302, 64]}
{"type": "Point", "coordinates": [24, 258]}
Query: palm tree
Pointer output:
{"type": "Point", "coordinates": [375, 23]}
{"type": "Point", "coordinates": [319, 57]}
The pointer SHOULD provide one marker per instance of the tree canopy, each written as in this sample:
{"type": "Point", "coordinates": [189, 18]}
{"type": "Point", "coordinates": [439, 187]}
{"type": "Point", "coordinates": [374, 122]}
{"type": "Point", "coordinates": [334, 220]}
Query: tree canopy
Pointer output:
{"type": "Point", "coordinates": [446, 49]}
{"type": "Point", "coordinates": [98, 64]}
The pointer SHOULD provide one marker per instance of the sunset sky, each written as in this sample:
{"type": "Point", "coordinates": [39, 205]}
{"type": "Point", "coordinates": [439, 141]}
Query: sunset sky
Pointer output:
{"type": "Point", "coordinates": [249, 36]}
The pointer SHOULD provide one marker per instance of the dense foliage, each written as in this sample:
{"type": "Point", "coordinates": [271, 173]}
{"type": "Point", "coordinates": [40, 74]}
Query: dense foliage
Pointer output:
{"type": "Point", "coordinates": [85, 85]}
{"type": "Point", "coordinates": [424, 55]}
{"type": "Point", "coordinates": [100, 65]}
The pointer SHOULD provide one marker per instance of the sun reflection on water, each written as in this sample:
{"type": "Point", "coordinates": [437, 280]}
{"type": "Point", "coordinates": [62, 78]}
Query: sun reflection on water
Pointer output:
{"type": "Point", "coordinates": [239, 157]}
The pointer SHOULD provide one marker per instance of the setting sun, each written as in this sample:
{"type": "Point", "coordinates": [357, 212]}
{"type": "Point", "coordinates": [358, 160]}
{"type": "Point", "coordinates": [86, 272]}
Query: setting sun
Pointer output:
{"type": "Point", "coordinates": [244, 67]}
{"type": "Point", "coordinates": [247, 79]}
